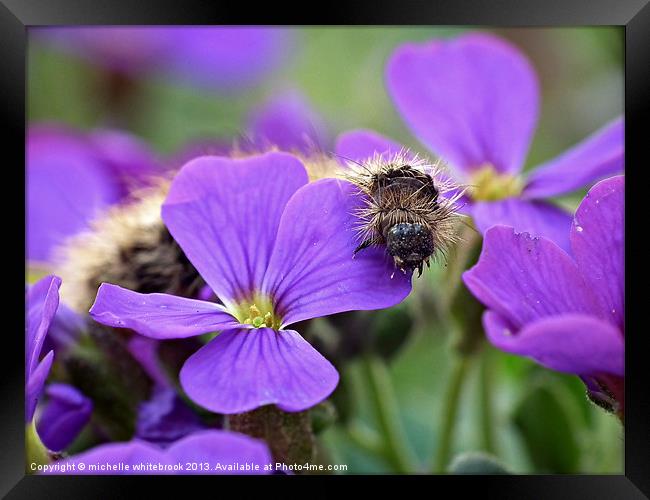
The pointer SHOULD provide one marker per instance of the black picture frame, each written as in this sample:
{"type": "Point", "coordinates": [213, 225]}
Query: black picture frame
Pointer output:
{"type": "Point", "coordinates": [17, 15]}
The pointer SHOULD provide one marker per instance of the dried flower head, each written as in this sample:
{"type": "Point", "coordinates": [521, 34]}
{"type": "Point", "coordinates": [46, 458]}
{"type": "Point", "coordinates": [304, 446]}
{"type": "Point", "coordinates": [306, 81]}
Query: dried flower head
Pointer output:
{"type": "Point", "coordinates": [129, 246]}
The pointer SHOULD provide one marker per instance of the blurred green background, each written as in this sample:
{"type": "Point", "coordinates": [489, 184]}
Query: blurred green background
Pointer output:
{"type": "Point", "coordinates": [543, 421]}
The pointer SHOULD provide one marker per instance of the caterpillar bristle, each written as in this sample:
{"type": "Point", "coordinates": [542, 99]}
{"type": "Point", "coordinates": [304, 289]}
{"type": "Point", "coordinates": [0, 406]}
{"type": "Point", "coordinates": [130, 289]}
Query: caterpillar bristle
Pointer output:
{"type": "Point", "coordinates": [410, 196]}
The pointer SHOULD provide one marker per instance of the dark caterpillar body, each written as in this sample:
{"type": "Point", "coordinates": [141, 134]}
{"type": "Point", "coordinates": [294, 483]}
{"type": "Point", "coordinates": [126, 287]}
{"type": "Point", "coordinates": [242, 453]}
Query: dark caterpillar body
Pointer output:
{"type": "Point", "coordinates": [403, 211]}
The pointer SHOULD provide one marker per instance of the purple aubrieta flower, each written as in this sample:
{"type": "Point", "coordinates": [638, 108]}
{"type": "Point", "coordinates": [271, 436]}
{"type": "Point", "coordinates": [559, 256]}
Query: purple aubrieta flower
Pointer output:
{"type": "Point", "coordinates": [225, 58]}
{"type": "Point", "coordinates": [218, 57]}
{"type": "Point", "coordinates": [72, 176]}
{"type": "Point", "coordinates": [42, 301]}
{"type": "Point", "coordinates": [566, 313]}
{"type": "Point", "coordinates": [473, 100]}
{"type": "Point", "coordinates": [276, 250]}
{"type": "Point", "coordinates": [64, 415]}
{"type": "Point", "coordinates": [288, 122]}
{"type": "Point", "coordinates": [165, 418]}
{"type": "Point", "coordinates": [213, 451]}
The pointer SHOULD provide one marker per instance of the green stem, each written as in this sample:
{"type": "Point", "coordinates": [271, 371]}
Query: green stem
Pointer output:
{"type": "Point", "coordinates": [387, 411]}
{"type": "Point", "coordinates": [451, 405]}
{"type": "Point", "coordinates": [365, 438]}
{"type": "Point", "coordinates": [487, 410]}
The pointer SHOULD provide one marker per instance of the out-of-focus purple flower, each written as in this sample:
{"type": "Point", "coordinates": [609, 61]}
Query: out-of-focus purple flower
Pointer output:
{"type": "Point", "coordinates": [64, 415]}
{"type": "Point", "coordinates": [206, 293]}
{"type": "Point", "coordinates": [228, 58]}
{"type": "Point", "coordinates": [288, 122]}
{"type": "Point", "coordinates": [145, 351]}
{"type": "Point", "coordinates": [564, 312]}
{"type": "Point", "coordinates": [276, 250]}
{"type": "Point", "coordinates": [165, 418]}
{"type": "Point", "coordinates": [125, 49]}
{"type": "Point", "coordinates": [213, 57]}
{"type": "Point", "coordinates": [214, 452]}
{"type": "Point", "coordinates": [42, 301]}
{"type": "Point", "coordinates": [473, 100]}
{"type": "Point", "coordinates": [72, 177]}
{"type": "Point", "coordinates": [129, 159]}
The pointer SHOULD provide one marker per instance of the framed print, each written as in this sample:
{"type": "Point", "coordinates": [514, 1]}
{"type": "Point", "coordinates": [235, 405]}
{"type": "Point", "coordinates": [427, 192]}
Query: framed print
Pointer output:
{"type": "Point", "coordinates": [384, 246]}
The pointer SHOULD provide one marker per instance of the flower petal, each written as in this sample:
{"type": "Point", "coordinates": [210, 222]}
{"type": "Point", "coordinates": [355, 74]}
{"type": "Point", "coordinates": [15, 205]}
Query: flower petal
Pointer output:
{"type": "Point", "coordinates": [118, 456]}
{"type": "Point", "coordinates": [222, 448]}
{"type": "Point", "coordinates": [360, 145]}
{"type": "Point", "coordinates": [313, 271]}
{"type": "Point", "coordinates": [598, 244]}
{"type": "Point", "coordinates": [42, 302]}
{"type": "Point", "coordinates": [64, 416]}
{"type": "Point", "coordinates": [145, 351]}
{"type": "Point", "coordinates": [130, 160]}
{"type": "Point", "coordinates": [165, 417]}
{"type": "Point", "coordinates": [600, 155]}
{"type": "Point", "coordinates": [473, 99]}
{"type": "Point", "coordinates": [288, 122]}
{"type": "Point", "coordinates": [242, 369]}
{"type": "Point", "coordinates": [158, 315]}
{"type": "Point", "coordinates": [67, 186]}
{"type": "Point", "coordinates": [571, 343]}
{"type": "Point", "coordinates": [525, 279]}
{"type": "Point", "coordinates": [35, 382]}
{"type": "Point", "coordinates": [225, 213]}
{"type": "Point", "coordinates": [538, 218]}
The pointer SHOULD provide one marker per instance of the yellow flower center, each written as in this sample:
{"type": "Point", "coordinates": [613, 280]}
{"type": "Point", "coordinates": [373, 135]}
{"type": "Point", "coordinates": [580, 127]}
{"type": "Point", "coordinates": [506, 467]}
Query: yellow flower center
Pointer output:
{"type": "Point", "coordinates": [258, 311]}
{"type": "Point", "coordinates": [486, 184]}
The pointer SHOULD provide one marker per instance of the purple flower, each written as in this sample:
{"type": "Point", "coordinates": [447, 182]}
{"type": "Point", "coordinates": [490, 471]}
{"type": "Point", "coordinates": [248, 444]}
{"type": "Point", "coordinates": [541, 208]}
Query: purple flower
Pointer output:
{"type": "Point", "coordinates": [288, 122]}
{"type": "Point", "coordinates": [212, 57]}
{"type": "Point", "coordinates": [129, 159]}
{"type": "Point", "coordinates": [145, 351]}
{"type": "Point", "coordinates": [226, 58]}
{"type": "Point", "coordinates": [72, 177]}
{"type": "Point", "coordinates": [125, 49]}
{"type": "Point", "coordinates": [223, 452]}
{"type": "Point", "coordinates": [165, 418]}
{"type": "Point", "coordinates": [276, 250]}
{"type": "Point", "coordinates": [42, 300]}
{"type": "Point", "coordinates": [564, 312]}
{"type": "Point", "coordinates": [65, 414]}
{"type": "Point", "coordinates": [473, 100]}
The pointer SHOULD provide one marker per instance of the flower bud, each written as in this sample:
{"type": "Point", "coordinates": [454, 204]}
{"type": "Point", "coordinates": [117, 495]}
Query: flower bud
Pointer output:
{"type": "Point", "coordinates": [65, 414]}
